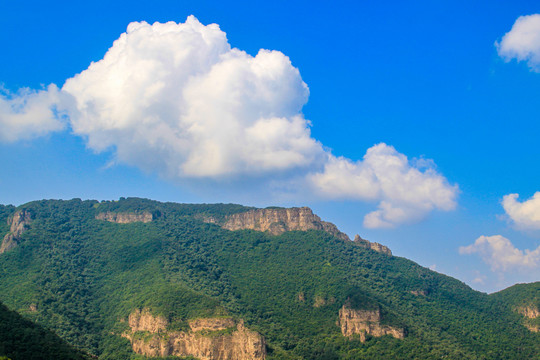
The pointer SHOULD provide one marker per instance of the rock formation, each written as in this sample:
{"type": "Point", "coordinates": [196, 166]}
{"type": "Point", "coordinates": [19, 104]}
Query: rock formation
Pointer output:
{"type": "Point", "coordinates": [372, 245]}
{"type": "Point", "coordinates": [18, 223]}
{"type": "Point", "coordinates": [125, 217]}
{"type": "Point", "coordinates": [143, 320]}
{"type": "Point", "coordinates": [530, 312]}
{"type": "Point", "coordinates": [211, 324]}
{"type": "Point", "coordinates": [365, 322]}
{"type": "Point", "coordinates": [208, 339]}
{"type": "Point", "coordinates": [277, 221]}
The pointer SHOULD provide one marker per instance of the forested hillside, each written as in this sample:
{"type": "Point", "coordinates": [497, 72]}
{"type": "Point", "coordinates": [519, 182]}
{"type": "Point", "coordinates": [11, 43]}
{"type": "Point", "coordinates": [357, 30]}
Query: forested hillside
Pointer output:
{"type": "Point", "coordinates": [21, 339]}
{"type": "Point", "coordinates": [524, 300]}
{"type": "Point", "coordinates": [116, 278]}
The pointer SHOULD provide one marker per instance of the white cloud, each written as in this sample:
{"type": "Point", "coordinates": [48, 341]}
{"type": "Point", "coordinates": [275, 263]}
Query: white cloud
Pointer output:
{"type": "Point", "coordinates": [526, 215]}
{"type": "Point", "coordinates": [522, 42]}
{"type": "Point", "coordinates": [499, 252]}
{"type": "Point", "coordinates": [407, 190]}
{"type": "Point", "coordinates": [178, 100]}
{"type": "Point", "coordinates": [29, 114]}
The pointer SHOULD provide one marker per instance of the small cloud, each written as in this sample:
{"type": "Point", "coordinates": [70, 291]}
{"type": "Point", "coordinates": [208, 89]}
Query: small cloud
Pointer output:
{"type": "Point", "coordinates": [499, 252]}
{"type": "Point", "coordinates": [28, 114]}
{"type": "Point", "coordinates": [526, 214]}
{"type": "Point", "coordinates": [407, 191]}
{"type": "Point", "coordinates": [479, 278]}
{"type": "Point", "coordinates": [522, 42]}
{"type": "Point", "coordinates": [433, 267]}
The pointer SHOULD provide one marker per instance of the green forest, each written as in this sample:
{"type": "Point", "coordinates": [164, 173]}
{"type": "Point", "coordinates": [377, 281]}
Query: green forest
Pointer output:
{"type": "Point", "coordinates": [75, 279]}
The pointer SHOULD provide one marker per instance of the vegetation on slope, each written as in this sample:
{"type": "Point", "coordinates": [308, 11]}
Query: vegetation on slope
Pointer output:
{"type": "Point", "coordinates": [20, 339]}
{"type": "Point", "coordinates": [524, 300]}
{"type": "Point", "coordinates": [87, 275]}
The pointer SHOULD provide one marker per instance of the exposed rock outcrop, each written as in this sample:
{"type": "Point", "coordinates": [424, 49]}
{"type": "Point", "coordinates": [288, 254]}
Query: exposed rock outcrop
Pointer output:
{"type": "Point", "coordinates": [143, 320]}
{"type": "Point", "coordinates": [322, 301]}
{"type": "Point", "coordinates": [365, 322]}
{"type": "Point", "coordinates": [18, 223]}
{"type": "Point", "coordinates": [372, 245]}
{"type": "Point", "coordinates": [208, 339]}
{"type": "Point", "coordinates": [212, 324]}
{"type": "Point", "coordinates": [419, 292]}
{"type": "Point", "coordinates": [125, 217]}
{"type": "Point", "coordinates": [533, 328]}
{"type": "Point", "coordinates": [530, 312]}
{"type": "Point", "coordinates": [277, 221]}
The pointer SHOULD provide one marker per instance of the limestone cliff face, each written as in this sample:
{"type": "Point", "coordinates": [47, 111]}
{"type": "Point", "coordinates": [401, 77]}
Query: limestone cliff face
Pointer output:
{"type": "Point", "coordinates": [530, 312]}
{"type": "Point", "coordinates": [143, 320]}
{"type": "Point", "coordinates": [125, 217]}
{"type": "Point", "coordinates": [208, 339]}
{"type": "Point", "coordinates": [278, 221]}
{"type": "Point", "coordinates": [18, 223]}
{"type": "Point", "coordinates": [364, 322]}
{"type": "Point", "coordinates": [372, 245]}
{"type": "Point", "coordinates": [212, 324]}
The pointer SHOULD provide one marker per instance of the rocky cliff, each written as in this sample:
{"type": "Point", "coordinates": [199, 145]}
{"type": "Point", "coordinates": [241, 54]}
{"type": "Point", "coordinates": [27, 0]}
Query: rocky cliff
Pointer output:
{"type": "Point", "coordinates": [277, 221]}
{"type": "Point", "coordinates": [365, 322]}
{"type": "Point", "coordinates": [372, 245]}
{"type": "Point", "coordinates": [125, 217]}
{"type": "Point", "coordinates": [208, 339]}
{"type": "Point", "coordinates": [143, 320]}
{"type": "Point", "coordinates": [530, 312]}
{"type": "Point", "coordinates": [18, 223]}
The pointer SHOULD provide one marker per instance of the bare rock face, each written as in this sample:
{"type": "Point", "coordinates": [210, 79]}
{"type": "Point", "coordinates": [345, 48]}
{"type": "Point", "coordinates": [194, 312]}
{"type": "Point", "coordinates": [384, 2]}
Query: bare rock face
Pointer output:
{"type": "Point", "coordinates": [530, 312]}
{"type": "Point", "coordinates": [19, 223]}
{"type": "Point", "coordinates": [364, 322]}
{"type": "Point", "coordinates": [278, 221]}
{"type": "Point", "coordinates": [372, 245]}
{"type": "Point", "coordinates": [211, 324]}
{"type": "Point", "coordinates": [125, 217]}
{"type": "Point", "coordinates": [208, 339]}
{"type": "Point", "coordinates": [143, 320]}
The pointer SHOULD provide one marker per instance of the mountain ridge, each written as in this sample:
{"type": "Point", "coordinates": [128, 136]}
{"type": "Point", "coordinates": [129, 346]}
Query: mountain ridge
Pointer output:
{"type": "Point", "coordinates": [288, 287]}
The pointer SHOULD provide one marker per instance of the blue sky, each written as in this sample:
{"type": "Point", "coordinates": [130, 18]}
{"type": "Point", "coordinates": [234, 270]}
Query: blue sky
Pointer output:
{"type": "Point", "coordinates": [425, 78]}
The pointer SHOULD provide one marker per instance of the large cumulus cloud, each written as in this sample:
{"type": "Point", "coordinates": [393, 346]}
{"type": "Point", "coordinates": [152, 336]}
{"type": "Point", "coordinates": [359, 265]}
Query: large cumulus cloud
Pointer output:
{"type": "Point", "coordinates": [175, 98]}
{"type": "Point", "coordinates": [178, 100]}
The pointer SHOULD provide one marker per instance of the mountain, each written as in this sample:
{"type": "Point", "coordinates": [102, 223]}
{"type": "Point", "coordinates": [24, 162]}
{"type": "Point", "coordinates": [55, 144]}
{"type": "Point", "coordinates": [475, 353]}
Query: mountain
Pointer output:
{"type": "Point", "coordinates": [524, 300]}
{"type": "Point", "coordinates": [123, 279]}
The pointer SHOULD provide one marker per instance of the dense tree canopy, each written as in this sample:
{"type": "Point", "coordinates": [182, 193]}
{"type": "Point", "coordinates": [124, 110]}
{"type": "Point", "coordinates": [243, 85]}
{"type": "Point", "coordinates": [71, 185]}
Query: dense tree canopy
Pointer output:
{"type": "Point", "coordinates": [82, 276]}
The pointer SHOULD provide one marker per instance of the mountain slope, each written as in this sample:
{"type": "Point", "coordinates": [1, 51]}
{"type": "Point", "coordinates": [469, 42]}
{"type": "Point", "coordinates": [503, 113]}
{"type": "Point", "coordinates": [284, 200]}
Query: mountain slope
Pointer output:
{"type": "Point", "coordinates": [524, 300]}
{"type": "Point", "coordinates": [21, 339]}
{"type": "Point", "coordinates": [87, 272]}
